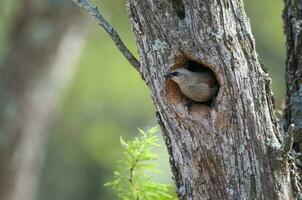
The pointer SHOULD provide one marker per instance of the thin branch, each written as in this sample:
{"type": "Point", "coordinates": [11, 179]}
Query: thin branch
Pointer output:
{"type": "Point", "coordinates": [94, 12]}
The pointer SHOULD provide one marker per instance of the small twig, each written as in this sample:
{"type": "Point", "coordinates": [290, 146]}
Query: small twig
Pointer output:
{"type": "Point", "coordinates": [94, 12]}
{"type": "Point", "coordinates": [132, 181]}
{"type": "Point", "coordinates": [288, 141]}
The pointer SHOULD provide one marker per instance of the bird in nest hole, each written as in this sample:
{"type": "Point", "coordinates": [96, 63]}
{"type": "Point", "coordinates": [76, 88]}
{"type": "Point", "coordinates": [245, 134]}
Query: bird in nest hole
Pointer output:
{"type": "Point", "coordinates": [198, 85]}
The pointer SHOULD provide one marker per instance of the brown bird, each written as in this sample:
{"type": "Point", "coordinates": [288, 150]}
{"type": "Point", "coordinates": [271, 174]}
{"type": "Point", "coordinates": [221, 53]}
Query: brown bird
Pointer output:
{"type": "Point", "coordinates": [199, 86]}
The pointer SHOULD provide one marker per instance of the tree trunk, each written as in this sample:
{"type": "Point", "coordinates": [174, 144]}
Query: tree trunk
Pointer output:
{"type": "Point", "coordinates": [292, 16]}
{"type": "Point", "coordinates": [45, 43]}
{"type": "Point", "coordinates": [233, 150]}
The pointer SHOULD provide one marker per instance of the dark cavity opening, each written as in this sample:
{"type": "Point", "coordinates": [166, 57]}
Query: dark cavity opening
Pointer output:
{"type": "Point", "coordinates": [208, 76]}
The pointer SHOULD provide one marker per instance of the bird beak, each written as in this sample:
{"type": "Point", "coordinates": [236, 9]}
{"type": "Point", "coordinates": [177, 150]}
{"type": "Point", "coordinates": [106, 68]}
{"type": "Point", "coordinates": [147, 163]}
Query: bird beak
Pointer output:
{"type": "Point", "coordinates": [168, 75]}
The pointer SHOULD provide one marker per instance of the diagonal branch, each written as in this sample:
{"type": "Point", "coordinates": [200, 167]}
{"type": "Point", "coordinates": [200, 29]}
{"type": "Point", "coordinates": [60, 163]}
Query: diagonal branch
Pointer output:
{"type": "Point", "coordinates": [94, 12]}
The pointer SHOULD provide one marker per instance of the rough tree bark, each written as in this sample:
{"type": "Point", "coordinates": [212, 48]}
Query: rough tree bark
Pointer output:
{"type": "Point", "coordinates": [45, 43]}
{"type": "Point", "coordinates": [292, 16]}
{"type": "Point", "coordinates": [235, 150]}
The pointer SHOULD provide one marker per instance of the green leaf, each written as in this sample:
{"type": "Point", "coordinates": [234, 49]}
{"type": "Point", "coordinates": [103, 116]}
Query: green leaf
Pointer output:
{"type": "Point", "coordinates": [133, 177]}
{"type": "Point", "coordinates": [123, 143]}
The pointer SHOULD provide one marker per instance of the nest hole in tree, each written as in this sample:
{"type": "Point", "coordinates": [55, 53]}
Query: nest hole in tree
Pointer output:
{"type": "Point", "coordinates": [175, 95]}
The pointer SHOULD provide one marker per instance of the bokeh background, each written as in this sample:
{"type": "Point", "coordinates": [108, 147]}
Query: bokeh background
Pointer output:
{"type": "Point", "coordinates": [105, 99]}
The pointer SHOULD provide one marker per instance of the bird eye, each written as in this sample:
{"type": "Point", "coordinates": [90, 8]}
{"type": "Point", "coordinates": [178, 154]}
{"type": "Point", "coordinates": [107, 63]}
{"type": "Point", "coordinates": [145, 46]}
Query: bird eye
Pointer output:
{"type": "Point", "coordinates": [175, 73]}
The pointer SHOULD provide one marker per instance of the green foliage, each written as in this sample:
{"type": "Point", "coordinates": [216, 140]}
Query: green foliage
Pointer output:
{"type": "Point", "coordinates": [132, 179]}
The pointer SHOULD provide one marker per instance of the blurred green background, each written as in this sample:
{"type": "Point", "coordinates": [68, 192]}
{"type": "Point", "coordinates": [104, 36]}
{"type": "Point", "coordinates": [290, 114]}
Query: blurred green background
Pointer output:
{"type": "Point", "coordinates": [107, 99]}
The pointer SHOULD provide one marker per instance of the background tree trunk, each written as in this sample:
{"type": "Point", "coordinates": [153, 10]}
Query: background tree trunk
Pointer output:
{"type": "Point", "coordinates": [231, 151]}
{"type": "Point", "coordinates": [45, 43]}
{"type": "Point", "coordinates": [292, 16]}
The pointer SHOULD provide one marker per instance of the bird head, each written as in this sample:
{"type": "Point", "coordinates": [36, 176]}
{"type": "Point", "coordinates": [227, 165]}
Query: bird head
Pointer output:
{"type": "Point", "coordinates": [179, 75]}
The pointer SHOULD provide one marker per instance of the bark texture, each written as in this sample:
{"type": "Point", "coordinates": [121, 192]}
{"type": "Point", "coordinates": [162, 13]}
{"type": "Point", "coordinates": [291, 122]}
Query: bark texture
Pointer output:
{"type": "Point", "coordinates": [292, 16]}
{"type": "Point", "coordinates": [231, 151]}
{"type": "Point", "coordinates": [44, 45]}
{"type": "Point", "coordinates": [293, 29]}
